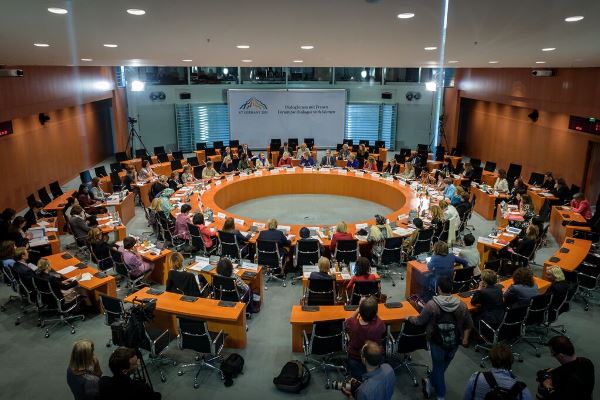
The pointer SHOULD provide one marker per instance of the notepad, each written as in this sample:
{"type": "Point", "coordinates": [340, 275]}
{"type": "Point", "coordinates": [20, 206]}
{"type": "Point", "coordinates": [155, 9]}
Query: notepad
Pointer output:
{"type": "Point", "coordinates": [66, 270]}
{"type": "Point", "coordinates": [86, 276]}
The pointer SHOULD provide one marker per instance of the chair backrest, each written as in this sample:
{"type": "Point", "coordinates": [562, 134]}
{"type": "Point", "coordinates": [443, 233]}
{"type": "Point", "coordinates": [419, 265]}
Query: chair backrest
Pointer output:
{"type": "Point", "coordinates": [113, 307]}
{"type": "Point", "coordinates": [162, 157]}
{"type": "Point", "coordinates": [196, 239]}
{"type": "Point", "coordinates": [445, 231]}
{"type": "Point", "coordinates": [490, 166]}
{"type": "Point", "coordinates": [536, 179]}
{"type": "Point", "coordinates": [339, 146]}
{"type": "Point", "coordinates": [176, 164]}
{"type": "Point", "coordinates": [119, 262]}
{"type": "Point", "coordinates": [47, 295]}
{"type": "Point", "coordinates": [308, 252]}
{"type": "Point", "coordinates": [475, 162]}
{"type": "Point", "coordinates": [100, 171]}
{"type": "Point", "coordinates": [55, 189]}
{"type": "Point", "coordinates": [210, 152]}
{"type": "Point", "coordinates": [121, 156]}
{"type": "Point", "coordinates": [365, 289]}
{"type": "Point", "coordinates": [346, 250]}
{"type": "Point", "coordinates": [423, 242]}
{"type": "Point", "coordinates": [116, 167]}
{"type": "Point", "coordinates": [115, 179]}
{"type": "Point", "coordinates": [194, 335]}
{"type": "Point", "coordinates": [537, 312]}
{"type": "Point", "coordinates": [327, 337]}
{"type": "Point", "coordinates": [200, 146]}
{"type": "Point", "coordinates": [228, 245]}
{"type": "Point", "coordinates": [349, 142]}
{"type": "Point", "coordinates": [310, 142]}
{"type": "Point", "coordinates": [218, 144]}
{"type": "Point", "coordinates": [275, 144]}
{"type": "Point", "coordinates": [44, 196]}
{"type": "Point", "coordinates": [85, 177]}
{"type": "Point", "coordinates": [234, 144]}
{"type": "Point", "coordinates": [422, 148]}
{"type": "Point", "coordinates": [463, 277]}
{"type": "Point", "coordinates": [511, 326]}
{"type": "Point", "coordinates": [177, 155]}
{"type": "Point", "coordinates": [267, 252]}
{"type": "Point", "coordinates": [514, 171]}
{"type": "Point", "coordinates": [412, 337]}
{"type": "Point", "coordinates": [574, 190]}
{"type": "Point", "coordinates": [392, 251]}
{"type": "Point", "coordinates": [400, 158]}
{"type": "Point", "coordinates": [379, 144]}
{"type": "Point", "coordinates": [406, 151]}
{"type": "Point", "coordinates": [159, 150]}
{"type": "Point", "coordinates": [477, 173]}
{"type": "Point", "coordinates": [224, 288]}
{"type": "Point", "coordinates": [184, 282]}
{"type": "Point", "coordinates": [293, 143]}
{"type": "Point", "coordinates": [588, 275]}
{"type": "Point", "coordinates": [193, 161]}
{"type": "Point", "coordinates": [320, 292]}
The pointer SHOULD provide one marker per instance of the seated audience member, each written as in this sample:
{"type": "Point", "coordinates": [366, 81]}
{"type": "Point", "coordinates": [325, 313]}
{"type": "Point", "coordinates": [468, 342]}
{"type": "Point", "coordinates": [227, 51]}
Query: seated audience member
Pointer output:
{"type": "Point", "coordinates": [549, 181]}
{"type": "Point", "coordinates": [324, 271]}
{"type": "Point", "coordinates": [522, 290]}
{"type": "Point", "coordinates": [207, 236]}
{"type": "Point", "coordinates": [7, 253]}
{"type": "Point", "coordinates": [245, 164]}
{"type": "Point", "coordinates": [501, 185]}
{"type": "Point", "coordinates": [209, 171]}
{"type": "Point", "coordinates": [377, 235]}
{"type": "Point", "coordinates": [573, 379]}
{"type": "Point", "coordinates": [123, 362]}
{"type": "Point", "coordinates": [284, 149]}
{"type": "Point", "coordinates": [442, 353]}
{"type": "Point", "coordinates": [457, 198]}
{"type": "Point", "coordinates": [468, 172]}
{"type": "Point", "coordinates": [523, 246]}
{"type": "Point", "coordinates": [245, 150]}
{"type": "Point", "coordinates": [301, 150]}
{"type": "Point", "coordinates": [67, 286]}
{"type": "Point", "coordinates": [341, 233]}
{"type": "Point", "coordinates": [131, 177]}
{"type": "Point", "coordinates": [181, 221]}
{"type": "Point", "coordinates": [581, 206]}
{"type": "Point", "coordinates": [344, 153]}
{"type": "Point", "coordinates": [328, 160]}
{"type": "Point", "coordinates": [561, 190]}
{"type": "Point", "coordinates": [134, 262]}
{"type": "Point", "coordinates": [527, 211]}
{"type": "Point", "coordinates": [446, 168]}
{"type": "Point", "coordinates": [559, 287]}
{"type": "Point", "coordinates": [363, 273]}
{"type": "Point", "coordinates": [20, 269]}
{"type": "Point", "coordinates": [227, 166]}
{"type": "Point", "coordinates": [441, 264]}
{"type": "Point", "coordinates": [307, 160]}
{"type": "Point", "coordinates": [362, 154]}
{"type": "Point", "coordinates": [304, 235]}
{"type": "Point", "coordinates": [362, 325]}
{"type": "Point", "coordinates": [96, 192]}
{"type": "Point", "coordinates": [490, 300]}
{"type": "Point", "coordinates": [261, 161]}
{"type": "Point", "coordinates": [79, 225]}
{"type": "Point", "coordinates": [188, 175]}
{"type": "Point", "coordinates": [225, 268]}
{"type": "Point", "coordinates": [392, 167]}
{"type": "Point", "coordinates": [83, 372]}
{"type": "Point", "coordinates": [519, 189]}
{"type": "Point", "coordinates": [285, 160]}
{"type": "Point", "coordinates": [379, 379]}
{"type": "Point", "coordinates": [409, 171]}
{"type": "Point", "coordinates": [165, 204]}
{"type": "Point", "coordinates": [146, 172]}
{"type": "Point", "coordinates": [464, 206]}
{"type": "Point", "coordinates": [174, 181]}
{"type": "Point", "coordinates": [470, 253]}
{"type": "Point", "coordinates": [449, 189]}
{"type": "Point", "coordinates": [16, 232]}
{"type": "Point", "coordinates": [352, 162]}
{"type": "Point", "coordinates": [226, 152]}
{"type": "Point", "coordinates": [101, 248]}
{"type": "Point", "coordinates": [157, 187]}
{"type": "Point", "coordinates": [6, 219]}
{"type": "Point", "coordinates": [85, 201]}
{"type": "Point", "coordinates": [229, 227]}
{"type": "Point", "coordinates": [370, 164]}
{"type": "Point", "coordinates": [181, 281]}
{"type": "Point", "coordinates": [409, 242]}
{"type": "Point", "coordinates": [437, 220]}
{"type": "Point", "coordinates": [502, 359]}
{"type": "Point", "coordinates": [274, 235]}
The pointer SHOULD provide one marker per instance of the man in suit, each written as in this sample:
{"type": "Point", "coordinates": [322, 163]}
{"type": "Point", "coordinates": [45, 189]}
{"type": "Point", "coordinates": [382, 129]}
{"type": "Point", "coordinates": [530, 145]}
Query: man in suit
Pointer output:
{"type": "Point", "coordinates": [78, 224]}
{"type": "Point", "coordinates": [20, 268]}
{"type": "Point", "coordinates": [245, 150]}
{"type": "Point", "coordinates": [328, 160]}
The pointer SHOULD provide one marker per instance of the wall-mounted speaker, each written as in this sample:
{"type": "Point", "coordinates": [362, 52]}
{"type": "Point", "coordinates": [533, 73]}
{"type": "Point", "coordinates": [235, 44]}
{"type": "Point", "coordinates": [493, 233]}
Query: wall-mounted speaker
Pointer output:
{"type": "Point", "coordinates": [410, 96]}
{"type": "Point", "coordinates": [534, 115]}
{"type": "Point", "coordinates": [386, 95]}
{"type": "Point", "coordinates": [155, 96]}
{"type": "Point", "coordinates": [185, 96]}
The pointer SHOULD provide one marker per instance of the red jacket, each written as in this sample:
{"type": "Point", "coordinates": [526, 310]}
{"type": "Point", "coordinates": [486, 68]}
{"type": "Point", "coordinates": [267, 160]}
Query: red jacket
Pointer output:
{"type": "Point", "coordinates": [582, 207]}
{"type": "Point", "coordinates": [339, 236]}
{"type": "Point", "coordinates": [283, 162]}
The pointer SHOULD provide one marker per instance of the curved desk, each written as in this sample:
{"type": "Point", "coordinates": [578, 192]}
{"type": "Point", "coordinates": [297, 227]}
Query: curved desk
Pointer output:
{"type": "Point", "coordinates": [569, 255]}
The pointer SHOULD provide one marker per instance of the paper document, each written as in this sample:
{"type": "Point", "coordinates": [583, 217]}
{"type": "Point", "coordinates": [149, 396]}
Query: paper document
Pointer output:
{"type": "Point", "coordinates": [403, 231]}
{"type": "Point", "coordinates": [66, 270]}
{"type": "Point", "coordinates": [346, 276]}
{"type": "Point", "coordinates": [361, 226]}
{"type": "Point", "coordinates": [38, 242]}
{"type": "Point", "coordinates": [250, 265]}
{"type": "Point", "coordinates": [86, 276]}
{"type": "Point", "coordinates": [238, 221]}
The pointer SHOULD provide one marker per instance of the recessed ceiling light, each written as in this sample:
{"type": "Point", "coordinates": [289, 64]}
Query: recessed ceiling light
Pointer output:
{"type": "Point", "coordinates": [87, 59]}
{"type": "Point", "coordinates": [307, 47]}
{"type": "Point", "coordinates": [406, 15]}
{"type": "Point", "coordinates": [247, 61]}
{"type": "Point", "coordinates": [540, 62]}
{"type": "Point", "coordinates": [111, 45]}
{"type": "Point", "coordinates": [56, 10]}
{"type": "Point", "coordinates": [136, 11]}
{"type": "Point", "coordinates": [41, 45]}
{"type": "Point", "coordinates": [430, 48]}
{"type": "Point", "coordinates": [187, 60]}
{"type": "Point", "coordinates": [243, 46]}
{"type": "Point", "coordinates": [574, 19]}
{"type": "Point", "coordinates": [549, 49]}
{"type": "Point", "coordinates": [453, 61]}
{"type": "Point", "coordinates": [492, 62]}
{"type": "Point", "coordinates": [298, 61]}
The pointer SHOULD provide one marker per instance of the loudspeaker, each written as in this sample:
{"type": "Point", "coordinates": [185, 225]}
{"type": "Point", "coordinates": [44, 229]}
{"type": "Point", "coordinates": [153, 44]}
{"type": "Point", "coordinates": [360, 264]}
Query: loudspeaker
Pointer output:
{"type": "Point", "coordinates": [185, 96]}
{"type": "Point", "coordinates": [386, 95]}
{"type": "Point", "coordinates": [534, 115]}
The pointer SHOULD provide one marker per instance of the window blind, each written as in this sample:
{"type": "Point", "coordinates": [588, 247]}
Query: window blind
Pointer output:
{"type": "Point", "coordinates": [367, 121]}
{"type": "Point", "coordinates": [201, 123]}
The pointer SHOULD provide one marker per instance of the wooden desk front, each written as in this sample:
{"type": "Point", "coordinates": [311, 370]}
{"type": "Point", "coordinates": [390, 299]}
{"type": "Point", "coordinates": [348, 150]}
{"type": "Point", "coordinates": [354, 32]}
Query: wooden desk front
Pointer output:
{"type": "Point", "coordinates": [577, 251]}
{"type": "Point", "coordinates": [560, 214]}
{"type": "Point", "coordinates": [57, 205]}
{"type": "Point", "coordinates": [232, 320]}
{"type": "Point", "coordinates": [489, 178]}
{"type": "Point", "coordinates": [485, 203]}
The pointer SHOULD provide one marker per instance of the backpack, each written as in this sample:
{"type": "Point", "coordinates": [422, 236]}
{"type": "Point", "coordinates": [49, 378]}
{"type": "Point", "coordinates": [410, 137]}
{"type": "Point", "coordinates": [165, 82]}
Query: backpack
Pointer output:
{"type": "Point", "coordinates": [498, 393]}
{"type": "Point", "coordinates": [445, 332]}
{"type": "Point", "coordinates": [231, 367]}
{"type": "Point", "coordinates": [294, 377]}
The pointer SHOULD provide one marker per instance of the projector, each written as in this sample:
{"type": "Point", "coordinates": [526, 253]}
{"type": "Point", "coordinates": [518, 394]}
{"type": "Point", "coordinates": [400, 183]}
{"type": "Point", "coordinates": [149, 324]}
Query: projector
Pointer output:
{"type": "Point", "coordinates": [11, 73]}
{"type": "Point", "coordinates": [542, 72]}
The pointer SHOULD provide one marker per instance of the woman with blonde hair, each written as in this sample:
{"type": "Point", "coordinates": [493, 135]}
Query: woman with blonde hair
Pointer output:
{"type": "Point", "coordinates": [285, 160]}
{"type": "Point", "coordinates": [377, 235]}
{"type": "Point", "coordinates": [341, 233]}
{"type": "Point", "coordinates": [83, 372]}
{"type": "Point", "coordinates": [181, 281]}
{"type": "Point", "coordinates": [437, 220]}
{"type": "Point", "coordinates": [67, 287]}
{"type": "Point", "coordinates": [324, 268]}
{"type": "Point", "coordinates": [409, 171]}
{"type": "Point", "coordinates": [370, 164]}
{"type": "Point", "coordinates": [450, 214]}
{"type": "Point", "coordinates": [226, 165]}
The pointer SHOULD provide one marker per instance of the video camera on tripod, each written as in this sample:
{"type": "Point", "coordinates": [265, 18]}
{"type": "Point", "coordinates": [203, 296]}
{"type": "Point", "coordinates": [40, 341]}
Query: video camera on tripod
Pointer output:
{"type": "Point", "coordinates": [130, 331]}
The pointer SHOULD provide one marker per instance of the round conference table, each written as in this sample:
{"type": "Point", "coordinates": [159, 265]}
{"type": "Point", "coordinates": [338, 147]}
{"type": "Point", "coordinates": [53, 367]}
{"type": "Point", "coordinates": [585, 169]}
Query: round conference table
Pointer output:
{"type": "Point", "coordinates": [221, 194]}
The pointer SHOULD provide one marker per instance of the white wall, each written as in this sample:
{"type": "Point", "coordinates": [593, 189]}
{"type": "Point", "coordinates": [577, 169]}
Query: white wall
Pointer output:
{"type": "Point", "coordinates": [157, 118]}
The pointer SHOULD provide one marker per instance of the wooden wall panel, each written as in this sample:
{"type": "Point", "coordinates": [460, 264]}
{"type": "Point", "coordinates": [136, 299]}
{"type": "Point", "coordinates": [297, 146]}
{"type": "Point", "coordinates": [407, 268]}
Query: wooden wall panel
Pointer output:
{"type": "Point", "coordinates": [451, 114]}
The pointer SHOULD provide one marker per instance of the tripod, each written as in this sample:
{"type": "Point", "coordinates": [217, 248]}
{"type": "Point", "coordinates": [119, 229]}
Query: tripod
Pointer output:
{"type": "Point", "coordinates": [133, 134]}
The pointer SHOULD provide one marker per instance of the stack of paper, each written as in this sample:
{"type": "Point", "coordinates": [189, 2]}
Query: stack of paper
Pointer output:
{"type": "Point", "coordinates": [66, 270]}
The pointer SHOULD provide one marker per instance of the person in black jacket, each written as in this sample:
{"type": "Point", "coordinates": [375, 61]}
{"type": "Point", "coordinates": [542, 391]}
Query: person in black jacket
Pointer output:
{"type": "Point", "coordinates": [180, 281]}
{"type": "Point", "coordinates": [158, 186]}
{"type": "Point", "coordinates": [392, 167]}
{"type": "Point", "coordinates": [123, 362]}
{"type": "Point", "coordinates": [20, 268]}
{"type": "Point", "coordinates": [561, 190]}
{"type": "Point", "coordinates": [6, 219]}
{"type": "Point", "coordinates": [229, 227]}
{"type": "Point", "coordinates": [275, 235]}
{"type": "Point", "coordinates": [489, 297]}
{"type": "Point", "coordinates": [549, 182]}
{"type": "Point", "coordinates": [32, 215]}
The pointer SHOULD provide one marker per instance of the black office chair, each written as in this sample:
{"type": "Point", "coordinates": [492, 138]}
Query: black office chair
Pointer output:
{"type": "Point", "coordinates": [210, 152]}
{"type": "Point", "coordinates": [339, 146]}
{"type": "Point", "coordinates": [31, 199]}
{"type": "Point", "coordinates": [116, 181]}
{"type": "Point", "coordinates": [44, 196]}
{"type": "Point", "coordinates": [267, 254]}
{"type": "Point", "coordinates": [116, 167]}
{"type": "Point", "coordinates": [193, 161]}
{"type": "Point", "coordinates": [364, 289]}
{"type": "Point", "coordinates": [121, 156]}
{"type": "Point", "coordinates": [559, 306]}
{"type": "Point", "coordinates": [346, 251]}
{"type": "Point", "coordinates": [113, 309]}
{"type": "Point", "coordinates": [390, 255]}
{"type": "Point", "coordinates": [28, 296]}
{"type": "Point", "coordinates": [307, 252]}
{"type": "Point", "coordinates": [12, 280]}
{"type": "Point", "coordinates": [574, 190]}
{"type": "Point", "coordinates": [423, 242]}
{"type": "Point", "coordinates": [132, 283]}
{"type": "Point", "coordinates": [234, 144]}
{"type": "Point", "coordinates": [477, 174]}
{"type": "Point", "coordinates": [537, 318]}
{"type": "Point", "coordinates": [588, 280]}
{"type": "Point", "coordinates": [275, 144]}
{"type": "Point", "coordinates": [363, 141]}
{"type": "Point", "coordinates": [194, 335]}
{"type": "Point", "coordinates": [85, 177]}
{"type": "Point", "coordinates": [536, 179]}
{"type": "Point", "coordinates": [100, 171]}
{"type": "Point", "coordinates": [349, 142]}
{"type": "Point", "coordinates": [310, 142]}
{"type": "Point", "coordinates": [400, 158]}
{"type": "Point", "coordinates": [197, 241]}
{"type": "Point", "coordinates": [185, 283]}
{"type": "Point", "coordinates": [320, 292]}
{"type": "Point", "coordinates": [490, 166]}
{"type": "Point", "coordinates": [379, 144]}
{"type": "Point", "coordinates": [177, 155]}
{"type": "Point", "coordinates": [513, 172]}
{"type": "Point", "coordinates": [176, 164]}
{"type": "Point", "coordinates": [103, 264]}
{"type": "Point", "coordinates": [218, 144]}
{"type": "Point", "coordinates": [200, 146]}
{"type": "Point", "coordinates": [293, 143]}
{"type": "Point", "coordinates": [229, 246]}
{"type": "Point", "coordinates": [156, 343]}
{"type": "Point", "coordinates": [475, 162]}
{"type": "Point", "coordinates": [224, 288]}
{"type": "Point", "coordinates": [509, 332]}
{"type": "Point", "coordinates": [406, 152]}
{"type": "Point", "coordinates": [463, 280]}
{"type": "Point", "coordinates": [354, 148]}
{"type": "Point", "coordinates": [162, 157]}
{"type": "Point", "coordinates": [54, 302]}
{"type": "Point", "coordinates": [159, 150]}
{"type": "Point", "coordinates": [402, 344]}
{"type": "Point", "coordinates": [324, 341]}
{"type": "Point", "coordinates": [141, 153]}
{"type": "Point", "coordinates": [55, 189]}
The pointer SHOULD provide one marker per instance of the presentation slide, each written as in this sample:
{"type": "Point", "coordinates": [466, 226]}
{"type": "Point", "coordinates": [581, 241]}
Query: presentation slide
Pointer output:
{"type": "Point", "coordinates": [257, 116]}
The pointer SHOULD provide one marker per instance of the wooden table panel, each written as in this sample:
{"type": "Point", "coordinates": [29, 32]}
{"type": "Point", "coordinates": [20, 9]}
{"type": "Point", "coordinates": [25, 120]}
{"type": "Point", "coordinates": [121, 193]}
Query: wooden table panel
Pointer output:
{"type": "Point", "coordinates": [560, 214]}
{"type": "Point", "coordinates": [578, 249]}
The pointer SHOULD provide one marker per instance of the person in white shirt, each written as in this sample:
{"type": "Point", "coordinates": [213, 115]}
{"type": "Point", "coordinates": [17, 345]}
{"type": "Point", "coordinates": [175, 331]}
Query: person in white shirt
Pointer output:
{"type": "Point", "coordinates": [471, 254]}
{"type": "Point", "coordinates": [146, 172]}
{"type": "Point", "coordinates": [501, 185]}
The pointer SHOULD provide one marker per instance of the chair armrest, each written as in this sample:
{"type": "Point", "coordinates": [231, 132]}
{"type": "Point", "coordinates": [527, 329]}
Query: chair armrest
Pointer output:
{"type": "Point", "coordinates": [305, 342]}
{"type": "Point", "coordinates": [483, 327]}
{"type": "Point", "coordinates": [219, 342]}
{"type": "Point", "coordinates": [161, 342]}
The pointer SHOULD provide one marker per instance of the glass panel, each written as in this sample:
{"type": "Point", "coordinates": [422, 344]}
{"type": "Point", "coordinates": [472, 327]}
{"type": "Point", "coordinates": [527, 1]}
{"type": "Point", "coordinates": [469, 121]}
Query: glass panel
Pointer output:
{"type": "Point", "coordinates": [309, 74]}
{"type": "Point", "coordinates": [263, 74]}
{"type": "Point", "coordinates": [213, 75]}
{"type": "Point", "coordinates": [163, 75]}
{"type": "Point", "coordinates": [427, 75]}
{"type": "Point", "coordinates": [365, 74]}
{"type": "Point", "coordinates": [402, 74]}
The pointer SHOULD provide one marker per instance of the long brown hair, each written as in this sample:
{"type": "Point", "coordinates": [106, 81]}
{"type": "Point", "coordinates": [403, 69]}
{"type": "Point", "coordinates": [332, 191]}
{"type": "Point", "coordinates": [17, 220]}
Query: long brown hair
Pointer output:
{"type": "Point", "coordinates": [82, 357]}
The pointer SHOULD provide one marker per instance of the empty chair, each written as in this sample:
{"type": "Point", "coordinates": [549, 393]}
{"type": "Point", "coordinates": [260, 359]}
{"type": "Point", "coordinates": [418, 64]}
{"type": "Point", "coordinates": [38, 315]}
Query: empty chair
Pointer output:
{"type": "Point", "coordinates": [310, 142]}
{"type": "Point", "coordinates": [537, 317]}
{"type": "Point", "coordinates": [574, 190]}
{"type": "Point", "coordinates": [293, 143]}
{"type": "Point", "coordinates": [100, 171]}
{"type": "Point", "coordinates": [159, 150]}
{"type": "Point", "coordinates": [234, 144]}
{"type": "Point", "coordinates": [422, 148]}
{"type": "Point", "coordinates": [55, 189]}
{"type": "Point", "coordinates": [321, 344]}
{"type": "Point", "coordinates": [401, 344]}
{"type": "Point", "coordinates": [200, 146]}
{"type": "Point", "coordinates": [390, 255]}
{"type": "Point", "coordinates": [379, 144]}
{"type": "Point", "coordinates": [536, 179]}
{"type": "Point", "coordinates": [307, 252]}
{"type": "Point", "coordinates": [509, 331]}
{"type": "Point", "coordinates": [400, 158]}
{"type": "Point", "coordinates": [156, 342]}
{"type": "Point", "coordinates": [320, 292]}
{"type": "Point", "coordinates": [193, 161]}
{"type": "Point", "coordinates": [267, 254]}
{"type": "Point", "coordinates": [463, 279]}
{"type": "Point", "coordinates": [121, 156]}
{"type": "Point", "coordinates": [477, 173]}
{"type": "Point", "coordinates": [514, 171]}
{"type": "Point", "coordinates": [362, 289]}
{"type": "Point", "coordinates": [116, 181]}
{"type": "Point", "coordinates": [346, 251]}
{"type": "Point", "coordinates": [162, 157]}
{"type": "Point", "coordinates": [490, 166]}
{"type": "Point", "coordinates": [141, 153]}
{"type": "Point", "coordinates": [116, 167]}
{"type": "Point", "coordinates": [210, 152]}
{"type": "Point", "coordinates": [339, 146]}
{"type": "Point", "coordinates": [475, 162]}
{"type": "Point", "coordinates": [113, 309]}
{"type": "Point", "coordinates": [218, 144]}
{"type": "Point", "coordinates": [406, 152]}
{"type": "Point", "coordinates": [588, 279]}
{"type": "Point", "coordinates": [85, 177]}
{"type": "Point", "coordinates": [44, 196]}
{"type": "Point", "coordinates": [176, 164]}
{"type": "Point", "coordinates": [194, 335]}
{"type": "Point", "coordinates": [178, 155]}
{"type": "Point", "coordinates": [275, 144]}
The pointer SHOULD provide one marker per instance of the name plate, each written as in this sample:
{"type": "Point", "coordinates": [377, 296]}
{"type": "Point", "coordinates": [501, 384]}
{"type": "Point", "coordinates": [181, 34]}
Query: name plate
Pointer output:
{"type": "Point", "coordinates": [359, 173]}
{"type": "Point", "coordinates": [390, 179]}
{"type": "Point", "coordinates": [326, 170]}
{"type": "Point", "coordinates": [220, 215]}
{"type": "Point", "coordinates": [217, 183]}
{"type": "Point", "coordinates": [238, 221]}
{"type": "Point", "coordinates": [207, 187]}
{"type": "Point", "coordinates": [361, 226]}
{"type": "Point", "coordinates": [229, 178]}
{"type": "Point", "coordinates": [274, 171]}
{"type": "Point", "coordinates": [258, 173]}
{"type": "Point", "coordinates": [308, 169]}
{"type": "Point", "coordinates": [342, 172]}
{"type": "Point", "coordinates": [291, 170]}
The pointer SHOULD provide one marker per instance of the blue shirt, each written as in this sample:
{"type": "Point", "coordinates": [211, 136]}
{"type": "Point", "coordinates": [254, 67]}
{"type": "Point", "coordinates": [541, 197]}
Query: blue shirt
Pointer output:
{"type": "Point", "coordinates": [378, 384]}
{"type": "Point", "coordinates": [353, 164]}
{"type": "Point", "coordinates": [307, 162]}
{"type": "Point", "coordinates": [444, 265]}
{"type": "Point", "coordinates": [450, 191]}
{"type": "Point", "coordinates": [503, 378]}
{"type": "Point", "coordinates": [8, 263]}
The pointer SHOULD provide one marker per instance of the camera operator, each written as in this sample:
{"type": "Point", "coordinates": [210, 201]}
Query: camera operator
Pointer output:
{"type": "Point", "coordinates": [379, 381]}
{"type": "Point", "coordinates": [123, 362]}
{"type": "Point", "coordinates": [573, 379]}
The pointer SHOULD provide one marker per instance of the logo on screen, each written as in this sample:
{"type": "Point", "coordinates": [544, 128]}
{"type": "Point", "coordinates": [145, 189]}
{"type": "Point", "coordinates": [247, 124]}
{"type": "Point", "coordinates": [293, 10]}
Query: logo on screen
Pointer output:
{"type": "Point", "coordinates": [253, 104]}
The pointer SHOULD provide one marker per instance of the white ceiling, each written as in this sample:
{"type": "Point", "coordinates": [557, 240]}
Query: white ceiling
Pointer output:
{"type": "Point", "coordinates": [344, 32]}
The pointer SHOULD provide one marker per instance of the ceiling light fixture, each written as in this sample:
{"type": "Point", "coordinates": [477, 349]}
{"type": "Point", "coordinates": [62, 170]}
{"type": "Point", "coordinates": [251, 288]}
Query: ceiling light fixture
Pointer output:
{"type": "Point", "coordinates": [406, 15]}
{"type": "Point", "coordinates": [298, 61]}
{"type": "Point", "coordinates": [57, 10]}
{"type": "Point", "coordinates": [243, 46]}
{"type": "Point", "coordinates": [246, 61]}
{"type": "Point", "coordinates": [363, 73]}
{"type": "Point", "coordinates": [574, 19]}
{"type": "Point", "coordinates": [225, 71]}
{"type": "Point", "coordinates": [549, 49]}
{"type": "Point", "coordinates": [41, 45]}
{"type": "Point", "coordinates": [540, 62]}
{"type": "Point", "coordinates": [111, 45]}
{"type": "Point", "coordinates": [136, 11]}
{"type": "Point", "coordinates": [492, 62]}
{"type": "Point", "coordinates": [430, 48]}
{"type": "Point", "coordinates": [103, 85]}
{"type": "Point", "coordinates": [307, 47]}
{"type": "Point", "coordinates": [453, 61]}
{"type": "Point", "coordinates": [187, 60]}
{"type": "Point", "coordinates": [87, 59]}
